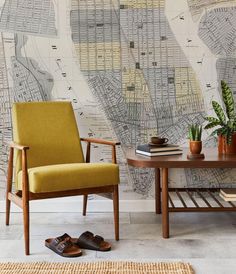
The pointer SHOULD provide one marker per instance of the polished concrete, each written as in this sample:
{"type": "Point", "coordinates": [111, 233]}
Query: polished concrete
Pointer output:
{"type": "Point", "coordinates": [206, 240]}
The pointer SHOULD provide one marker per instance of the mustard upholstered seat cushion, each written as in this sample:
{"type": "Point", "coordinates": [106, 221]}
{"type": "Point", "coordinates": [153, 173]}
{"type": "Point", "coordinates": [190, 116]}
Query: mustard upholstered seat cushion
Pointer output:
{"type": "Point", "coordinates": [70, 176]}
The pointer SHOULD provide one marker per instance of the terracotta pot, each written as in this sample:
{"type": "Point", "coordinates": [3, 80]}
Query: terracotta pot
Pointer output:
{"type": "Point", "coordinates": [224, 148]}
{"type": "Point", "coordinates": [195, 147]}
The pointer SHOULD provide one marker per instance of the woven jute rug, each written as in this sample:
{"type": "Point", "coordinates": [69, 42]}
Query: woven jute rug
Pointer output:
{"type": "Point", "coordinates": [95, 268]}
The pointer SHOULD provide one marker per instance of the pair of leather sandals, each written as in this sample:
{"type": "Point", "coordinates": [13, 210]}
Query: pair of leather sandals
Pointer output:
{"type": "Point", "coordinates": [66, 246]}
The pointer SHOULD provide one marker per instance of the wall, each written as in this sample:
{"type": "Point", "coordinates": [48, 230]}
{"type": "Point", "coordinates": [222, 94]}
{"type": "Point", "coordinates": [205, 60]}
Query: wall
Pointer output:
{"type": "Point", "coordinates": [132, 69]}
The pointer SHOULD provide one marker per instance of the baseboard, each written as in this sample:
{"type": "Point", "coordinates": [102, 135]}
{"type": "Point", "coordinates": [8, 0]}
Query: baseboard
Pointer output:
{"type": "Point", "coordinates": [75, 205]}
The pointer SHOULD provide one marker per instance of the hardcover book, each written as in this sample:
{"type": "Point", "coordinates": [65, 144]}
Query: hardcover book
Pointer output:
{"type": "Point", "coordinates": [227, 199]}
{"type": "Point", "coordinates": [161, 153]}
{"type": "Point", "coordinates": [157, 148]}
{"type": "Point", "coordinates": [228, 192]}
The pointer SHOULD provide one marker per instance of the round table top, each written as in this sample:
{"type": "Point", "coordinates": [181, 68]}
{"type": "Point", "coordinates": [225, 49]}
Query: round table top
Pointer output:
{"type": "Point", "coordinates": [212, 160]}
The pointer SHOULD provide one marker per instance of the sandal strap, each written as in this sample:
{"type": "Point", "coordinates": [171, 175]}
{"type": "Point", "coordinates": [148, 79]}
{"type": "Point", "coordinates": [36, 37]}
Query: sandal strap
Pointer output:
{"type": "Point", "coordinates": [88, 234]}
{"type": "Point", "coordinates": [88, 240]}
{"type": "Point", "coordinates": [62, 246]}
{"type": "Point", "coordinates": [98, 239]}
{"type": "Point", "coordinates": [59, 239]}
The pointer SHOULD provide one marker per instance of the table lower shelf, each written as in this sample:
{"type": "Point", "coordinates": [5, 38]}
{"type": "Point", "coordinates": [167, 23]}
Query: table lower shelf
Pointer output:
{"type": "Point", "coordinates": [197, 200]}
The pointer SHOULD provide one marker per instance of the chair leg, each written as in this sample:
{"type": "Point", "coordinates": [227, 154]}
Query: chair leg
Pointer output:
{"type": "Point", "coordinates": [25, 200]}
{"type": "Point", "coordinates": [85, 199]}
{"type": "Point", "coordinates": [8, 202]}
{"type": "Point", "coordinates": [8, 208]}
{"type": "Point", "coordinates": [9, 185]}
{"type": "Point", "coordinates": [116, 211]}
{"type": "Point", "coordinates": [26, 226]}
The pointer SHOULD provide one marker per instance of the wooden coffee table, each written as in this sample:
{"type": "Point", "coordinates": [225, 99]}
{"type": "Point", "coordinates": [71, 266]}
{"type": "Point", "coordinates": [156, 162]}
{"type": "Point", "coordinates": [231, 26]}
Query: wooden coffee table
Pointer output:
{"type": "Point", "coordinates": [164, 203]}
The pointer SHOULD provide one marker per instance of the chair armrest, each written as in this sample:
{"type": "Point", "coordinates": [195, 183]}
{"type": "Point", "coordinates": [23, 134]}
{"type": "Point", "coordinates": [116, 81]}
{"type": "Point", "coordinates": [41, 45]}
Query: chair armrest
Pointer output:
{"type": "Point", "coordinates": [100, 141]}
{"type": "Point", "coordinates": [25, 182]}
{"type": "Point", "coordinates": [18, 146]}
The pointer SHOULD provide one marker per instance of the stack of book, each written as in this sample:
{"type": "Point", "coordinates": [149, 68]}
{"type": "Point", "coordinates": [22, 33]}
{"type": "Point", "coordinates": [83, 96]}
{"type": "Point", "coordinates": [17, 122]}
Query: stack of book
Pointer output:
{"type": "Point", "coordinates": [158, 150]}
{"type": "Point", "coordinates": [228, 194]}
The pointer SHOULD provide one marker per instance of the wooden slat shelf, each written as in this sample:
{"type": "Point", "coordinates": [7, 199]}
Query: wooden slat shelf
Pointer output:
{"type": "Point", "coordinates": [209, 197]}
{"type": "Point", "coordinates": [183, 199]}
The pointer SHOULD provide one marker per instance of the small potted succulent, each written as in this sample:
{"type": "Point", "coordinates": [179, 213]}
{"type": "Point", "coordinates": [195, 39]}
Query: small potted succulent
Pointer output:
{"type": "Point", "coordinates": [225, 122]}
{"type": "Point", "coordinates": [195, 138]}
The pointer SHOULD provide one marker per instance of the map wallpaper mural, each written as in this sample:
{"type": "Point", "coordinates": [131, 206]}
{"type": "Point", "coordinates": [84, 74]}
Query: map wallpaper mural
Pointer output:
{"type": "Point", "coordinates": [131, 68]}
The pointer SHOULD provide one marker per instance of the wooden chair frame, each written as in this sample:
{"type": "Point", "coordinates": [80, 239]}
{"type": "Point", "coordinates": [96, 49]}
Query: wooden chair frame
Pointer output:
{"type": "Point", "coordinates": [22, 198]}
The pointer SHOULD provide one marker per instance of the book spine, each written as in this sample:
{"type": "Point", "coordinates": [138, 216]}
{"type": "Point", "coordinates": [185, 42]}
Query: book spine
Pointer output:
{"type": "Point", "coordinates": [166, 153]}
{"type": "Point", "coordinates": [142, 148]}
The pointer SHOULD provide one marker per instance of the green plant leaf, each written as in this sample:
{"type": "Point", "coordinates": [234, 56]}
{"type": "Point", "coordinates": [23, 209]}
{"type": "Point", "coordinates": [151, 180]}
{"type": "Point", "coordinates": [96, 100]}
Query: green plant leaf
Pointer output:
{"type": "Point", "coordinates": [223, 131]}
{"type": "Point", "coordinates": [211, 125]}
{"type": "Point", "coordinates": [216, 132]}
{"type": "Point", "coordinates": [219, 112]}
{"type": "Point", "coordinates": [230, 124]}
{"type": "Point", "coordinates": [195, 132]}
{"type": "Point", "coordinates": [212, 119]}
{"type": "Point", "coordinates": [234, 125]}
{"type": "Point", "coordinates": [229, 136]}
{"type": "Point", "coordinates": [190, 136]}
{"type": "Point", "coordinates": [228, 100]}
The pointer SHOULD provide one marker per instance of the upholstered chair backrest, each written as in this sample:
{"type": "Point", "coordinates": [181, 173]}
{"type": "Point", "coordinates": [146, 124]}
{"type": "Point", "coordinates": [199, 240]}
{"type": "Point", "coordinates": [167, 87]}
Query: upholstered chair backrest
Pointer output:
{"type": "Point", "coordinates": [50, 130]}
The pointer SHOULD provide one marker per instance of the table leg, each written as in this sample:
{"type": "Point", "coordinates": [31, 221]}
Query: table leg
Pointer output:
{"type": "Point", "coordinates": [165, 200]}
{"type": "Point", "coordinates": [157, 191]}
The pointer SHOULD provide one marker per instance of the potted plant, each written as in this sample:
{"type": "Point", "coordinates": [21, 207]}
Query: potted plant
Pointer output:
{"type": "Point", "coordinates": [225, 122]}
{"type": "Point", "coordinates": [195, 138]}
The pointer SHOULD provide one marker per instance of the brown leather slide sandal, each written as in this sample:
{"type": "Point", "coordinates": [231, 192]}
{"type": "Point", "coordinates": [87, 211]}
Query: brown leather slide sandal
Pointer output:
{"type": "Point", "coordinates": [87, 240]}
{"type": "Point", "coordinates": [63, 246]}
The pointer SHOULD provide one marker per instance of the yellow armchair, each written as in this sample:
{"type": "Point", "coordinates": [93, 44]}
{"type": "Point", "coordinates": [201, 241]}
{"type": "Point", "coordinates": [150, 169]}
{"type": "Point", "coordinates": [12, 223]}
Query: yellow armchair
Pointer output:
{"type": "Point", "coordinates": [49, 160]}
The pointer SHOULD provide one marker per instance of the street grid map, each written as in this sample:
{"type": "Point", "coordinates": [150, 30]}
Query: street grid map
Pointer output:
{"type": "Point", "coordinates": [134, 66]}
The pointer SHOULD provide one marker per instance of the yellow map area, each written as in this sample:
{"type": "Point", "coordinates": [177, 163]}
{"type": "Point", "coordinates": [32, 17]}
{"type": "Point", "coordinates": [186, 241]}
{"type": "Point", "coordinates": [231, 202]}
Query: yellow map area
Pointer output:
{"type": "Point", "coordinates": [134, 85]}
{"type": "Point", "coordinates": [99, 56]}
{"type": "Point", "coordinates": [143, 4]}
{"type": "Point", "coordinates": [188, 91]}
{"type": "Point", "coordinates": [91, 4]}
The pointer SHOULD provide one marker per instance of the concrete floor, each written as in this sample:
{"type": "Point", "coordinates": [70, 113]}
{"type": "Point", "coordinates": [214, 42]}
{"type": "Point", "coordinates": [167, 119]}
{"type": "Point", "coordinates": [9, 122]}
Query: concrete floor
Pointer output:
{"type": "Point", "coordinates": [206, 240]}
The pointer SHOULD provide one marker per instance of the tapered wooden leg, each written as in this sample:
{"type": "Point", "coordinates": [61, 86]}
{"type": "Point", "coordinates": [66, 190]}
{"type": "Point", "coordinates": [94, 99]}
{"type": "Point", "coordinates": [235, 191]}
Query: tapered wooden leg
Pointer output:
{"type": "Point", "coordinates": [165, 213]}
{"type": "Point", "coordinates": [25, 198]}
{"type": "Point", "coordinates": [116, 211]}
{"type": "Point", "coordinates": [26, 226]}
{"type": "Point", "coordinates": [85, 199]}
{"type": "Point", "coordinates": [9, 185]}
{"type": "Point", "coordinates": [8, 208]}
{"type": "Point", "coordinates": [158, 191]}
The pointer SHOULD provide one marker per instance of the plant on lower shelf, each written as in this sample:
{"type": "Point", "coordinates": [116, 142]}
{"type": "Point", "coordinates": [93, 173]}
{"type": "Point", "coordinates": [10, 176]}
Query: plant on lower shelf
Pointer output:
{"type": "Point", "coordinates": [226, 120]}
{"type": "Point", "coordinates": [195, 132]}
